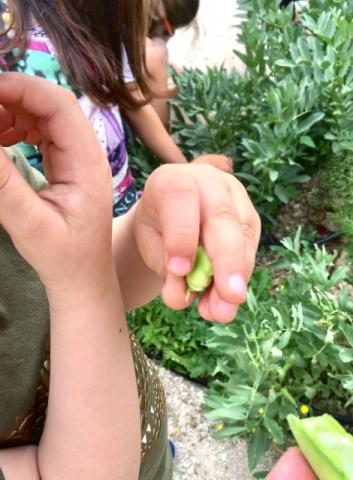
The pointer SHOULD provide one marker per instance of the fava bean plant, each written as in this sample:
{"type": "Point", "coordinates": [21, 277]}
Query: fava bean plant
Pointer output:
{"type": "Point", "coordinates": [289, 113]}
{"type": "Point", "coordinates": [290, 350]}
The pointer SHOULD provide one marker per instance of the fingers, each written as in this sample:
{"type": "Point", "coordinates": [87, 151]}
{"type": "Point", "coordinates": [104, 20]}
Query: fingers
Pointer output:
{"type": "Point", "coordinates": [35, 103]}
{"type": "Point", "coordinates": [219, 309]}
{"type": "Point", "coordinates": [219, 161]}
{"type": "Point", "coordinates": [292, 465]}
{"type": "Point", "coordinates": [176, 200]}
{"type": "Point", "coordinates": [230, 234]}
{"type": "Point", "coordinates": [173, 293]}
{"type": "Point", "coordinates": [225, 209]}
{"type": "Point", "coordinates": [188, 205]}
{"type": "Point", "coordinates": [198, 204]}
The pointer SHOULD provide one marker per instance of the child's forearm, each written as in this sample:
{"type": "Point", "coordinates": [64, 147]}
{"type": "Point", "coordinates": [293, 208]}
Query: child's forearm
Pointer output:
{"type": "Point", "coordinates": [19, 464]}
{"type": "Point", "coordinates": [92, 428]}
{"type": "Point", "coordinates": [149, 128]}
{"type": "Point", "coordinates": [139, 285]}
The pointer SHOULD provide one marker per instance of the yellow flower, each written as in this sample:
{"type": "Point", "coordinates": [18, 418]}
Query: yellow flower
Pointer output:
{"type": "Point", "coordinates": [281, 287]}
{"type": "Point", "coordinates": [261, 411]}
{"type": "Point", "coordinates": [304, 409]}
{"type": "Point", "coordinates": [253, 430]}
{"type": "Point", "coordinates": [220, 426]}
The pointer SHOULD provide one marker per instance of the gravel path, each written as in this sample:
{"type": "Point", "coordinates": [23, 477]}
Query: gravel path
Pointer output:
{"type": "Point", "coordinates": [199, 456]}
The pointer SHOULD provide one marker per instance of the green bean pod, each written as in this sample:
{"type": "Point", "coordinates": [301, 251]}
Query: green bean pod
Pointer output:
{"type": "Point", "coordinates": [326, 445]}
{"type": "Point", "coordinates": [201, 275]}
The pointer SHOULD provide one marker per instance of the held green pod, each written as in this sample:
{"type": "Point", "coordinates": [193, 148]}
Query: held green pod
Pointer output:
{"type": "Point", "coordinates": [201, 275]}
{"type": "Point", "coordinates": [326, 445]}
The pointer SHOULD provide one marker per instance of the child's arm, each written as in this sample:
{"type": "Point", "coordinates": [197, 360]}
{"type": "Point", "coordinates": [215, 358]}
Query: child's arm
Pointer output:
{"type": "Point", "coordinates": [182, 206]}
{"type": "Point", "coordinates": [92, 429]}
{"type": "Point", "coordinates": [19, 464]}
{"type": "Point", "coordinates": [149, 128]}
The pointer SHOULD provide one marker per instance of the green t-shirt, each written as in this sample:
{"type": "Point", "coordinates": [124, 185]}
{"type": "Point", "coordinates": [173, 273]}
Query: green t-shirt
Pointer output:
{"type": "Point", "coordinates": [24, 337]}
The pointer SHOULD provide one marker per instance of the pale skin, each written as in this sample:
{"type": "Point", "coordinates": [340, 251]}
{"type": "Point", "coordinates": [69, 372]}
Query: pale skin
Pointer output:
{"type": "Point", "coordinates": [157, 66]}
{"type": "Point", "coordinates": [70, 247]}
{"type": "Point", "coordinates": [151, 131]}
{"type": "Point", "coordinates": [292, 465]}
{"type": "Point", "coordinates": [92, 274]}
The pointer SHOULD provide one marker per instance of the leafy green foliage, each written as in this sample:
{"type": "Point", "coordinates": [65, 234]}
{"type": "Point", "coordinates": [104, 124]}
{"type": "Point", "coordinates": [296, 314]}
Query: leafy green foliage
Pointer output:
{"type": "Point", "coordinates": [336, 195]}
{"type": "Point", "coordinates": [142, 161]}
{"type": "Point", "coordinates": [290, 347]}
{"type": "Point", "coordinates": [176, 338]}
{"type": "Point", "coordinates": [291, 110]}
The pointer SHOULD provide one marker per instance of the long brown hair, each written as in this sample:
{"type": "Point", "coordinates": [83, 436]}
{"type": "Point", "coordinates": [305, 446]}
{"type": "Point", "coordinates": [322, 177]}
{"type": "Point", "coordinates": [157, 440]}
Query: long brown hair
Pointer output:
{"type": "Point", "coordinates": [88, 36]}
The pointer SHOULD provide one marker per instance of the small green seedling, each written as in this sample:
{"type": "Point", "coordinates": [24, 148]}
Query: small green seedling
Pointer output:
{"type": "Point", "coordinates": [326, 445]}
{"type": "Point", "coordinates": [201, 275]}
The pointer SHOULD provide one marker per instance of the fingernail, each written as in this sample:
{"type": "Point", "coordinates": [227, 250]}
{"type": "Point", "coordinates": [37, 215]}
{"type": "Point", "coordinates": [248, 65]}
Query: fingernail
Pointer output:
{"type": "Point", "coordinates": [179, 266]}
{"type": "Point", "coordinates": [228, 310]}
{"type": "Point", "coordinates": [238, 285]}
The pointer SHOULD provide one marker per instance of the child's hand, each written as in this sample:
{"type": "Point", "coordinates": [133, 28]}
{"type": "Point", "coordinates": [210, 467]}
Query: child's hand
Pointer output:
{"type": "Point", "coordinates": [64, 231]}
{"type": "Point", "coordinates": [292, 465]}
{"type": "Point", "coordinates": [219, 161]}
{"type": "Point", "coordinates": [187, 205]}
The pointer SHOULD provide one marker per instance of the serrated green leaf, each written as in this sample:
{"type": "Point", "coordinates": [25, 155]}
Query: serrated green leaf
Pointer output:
{"type": "Point", "coordinates": [257, 447]}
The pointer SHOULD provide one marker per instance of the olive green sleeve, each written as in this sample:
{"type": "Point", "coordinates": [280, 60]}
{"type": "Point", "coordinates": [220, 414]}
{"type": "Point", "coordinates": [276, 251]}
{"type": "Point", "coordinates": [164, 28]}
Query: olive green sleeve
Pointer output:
{"type": "Point", "coordinates": [2, 475]}
{"type": "Point", "coordinates": [24, 323]}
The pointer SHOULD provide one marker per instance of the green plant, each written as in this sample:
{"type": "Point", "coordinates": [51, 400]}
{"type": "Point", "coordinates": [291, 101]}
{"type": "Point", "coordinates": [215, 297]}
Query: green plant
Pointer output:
{"type": "Point", "coordinates": [142, 161]}
{"type": "Point", "coordinates": [291, 110]}
{"type": "Point", "coordinates": [336, 192]}
{"type": "Point", "coordinates": [289, 351]}
{"type": "Point", "coordinates": [176, 338]}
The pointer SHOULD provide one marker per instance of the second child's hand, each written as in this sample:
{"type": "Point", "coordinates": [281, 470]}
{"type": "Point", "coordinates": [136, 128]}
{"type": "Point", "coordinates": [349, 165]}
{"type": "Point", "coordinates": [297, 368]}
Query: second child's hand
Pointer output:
{"type": "Point", "coordinates": [183, 206]}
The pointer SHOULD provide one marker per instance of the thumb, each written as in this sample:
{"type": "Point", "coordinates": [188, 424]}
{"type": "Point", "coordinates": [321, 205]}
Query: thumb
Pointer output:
{"type": "Point", "coordinates": [19, 204]}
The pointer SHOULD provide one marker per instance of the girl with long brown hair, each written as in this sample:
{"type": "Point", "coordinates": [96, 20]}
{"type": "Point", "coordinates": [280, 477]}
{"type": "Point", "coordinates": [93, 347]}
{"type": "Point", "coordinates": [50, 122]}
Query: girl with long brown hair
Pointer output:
{"type": "Point", "coordinates": [96, 49]}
